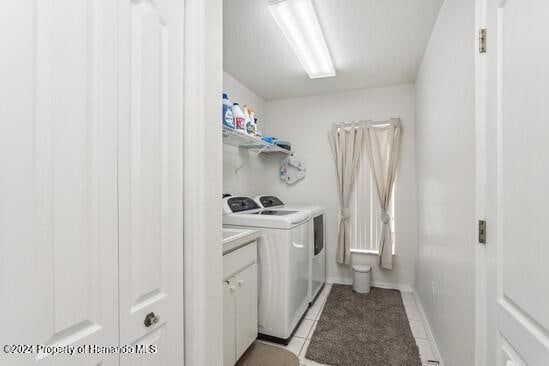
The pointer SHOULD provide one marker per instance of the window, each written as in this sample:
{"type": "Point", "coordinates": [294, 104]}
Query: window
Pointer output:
{"type": "Point", "coordinates": [365, 223]}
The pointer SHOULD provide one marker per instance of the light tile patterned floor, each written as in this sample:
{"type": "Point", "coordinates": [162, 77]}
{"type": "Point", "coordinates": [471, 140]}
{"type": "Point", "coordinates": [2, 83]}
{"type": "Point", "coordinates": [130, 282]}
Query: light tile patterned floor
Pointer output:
{"type": "Point", "coordinates": [302, 337]}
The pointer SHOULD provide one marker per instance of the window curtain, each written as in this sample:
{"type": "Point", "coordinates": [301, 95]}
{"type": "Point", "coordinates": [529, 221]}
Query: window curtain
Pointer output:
{"type": "Point", "coordinates": [346, 144]}
{"type": "Point", "coordinates": [382, 143]}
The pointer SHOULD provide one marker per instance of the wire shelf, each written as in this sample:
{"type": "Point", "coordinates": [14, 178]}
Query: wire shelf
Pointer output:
{"type": "Point", "coordinates": [242, 140]}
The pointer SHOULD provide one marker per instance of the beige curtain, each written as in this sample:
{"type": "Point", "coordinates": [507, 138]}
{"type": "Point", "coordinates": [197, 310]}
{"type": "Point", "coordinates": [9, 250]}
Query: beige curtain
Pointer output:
{"type": "Point", "coordinates": [346, 146]}
{"type": "Point", "coordinates": [383, 145]}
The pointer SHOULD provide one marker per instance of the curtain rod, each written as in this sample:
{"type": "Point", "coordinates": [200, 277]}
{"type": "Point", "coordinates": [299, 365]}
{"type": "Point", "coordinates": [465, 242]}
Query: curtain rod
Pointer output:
{"type": "Point", "coordinates": [392, 122]}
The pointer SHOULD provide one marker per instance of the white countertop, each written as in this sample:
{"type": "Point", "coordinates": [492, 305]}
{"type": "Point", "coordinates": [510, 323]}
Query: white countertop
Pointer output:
{"type": "Point", "coordinates": [237, 238]}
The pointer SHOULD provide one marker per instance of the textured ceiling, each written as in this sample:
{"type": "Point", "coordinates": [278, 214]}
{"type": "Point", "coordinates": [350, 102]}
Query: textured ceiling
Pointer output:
{"type": "Point", "coordinates": [372, 42]}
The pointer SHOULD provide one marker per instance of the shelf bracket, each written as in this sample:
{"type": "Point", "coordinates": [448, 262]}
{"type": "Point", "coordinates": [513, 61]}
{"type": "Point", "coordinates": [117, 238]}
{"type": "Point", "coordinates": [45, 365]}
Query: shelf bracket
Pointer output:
{"type": "Point", "coordinates": [237, 169]}
{"type": "Point", "coordinates": [262, 149]}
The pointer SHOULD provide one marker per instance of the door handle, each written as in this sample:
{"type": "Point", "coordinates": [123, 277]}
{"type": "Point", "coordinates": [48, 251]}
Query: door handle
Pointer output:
{"type": "Point", "coordinates": [298, 245]}
{"type": "Point", "coordinates": [231, 284]}
{"type": "Point", "coordinates": [151, 319]}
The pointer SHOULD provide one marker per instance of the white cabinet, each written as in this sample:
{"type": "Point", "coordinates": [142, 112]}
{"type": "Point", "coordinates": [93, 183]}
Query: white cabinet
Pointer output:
{"type": "Point", "coordinates": [239, 302]}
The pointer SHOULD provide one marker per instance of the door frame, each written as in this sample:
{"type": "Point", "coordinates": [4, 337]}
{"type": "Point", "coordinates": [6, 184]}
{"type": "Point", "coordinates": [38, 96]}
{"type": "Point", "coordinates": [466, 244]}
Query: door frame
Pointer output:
{"type": "Point", "coordinates": [203, 66]}
{"type": "Point", "coordinates": [481, 186]}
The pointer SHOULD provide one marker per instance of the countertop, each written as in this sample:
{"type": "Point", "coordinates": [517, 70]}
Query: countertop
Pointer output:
{"type": "Point", "coordinates": [234, 239]}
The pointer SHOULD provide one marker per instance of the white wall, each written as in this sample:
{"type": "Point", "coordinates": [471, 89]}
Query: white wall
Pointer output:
{"type": "Point", "coordinates": [250, 179]}
{"type": "Point", "coordinates": [305, 122]}
{"type": "Point", "coordinates": [240, 93]}
{"type": "Point", "coordinates": [445, 139]}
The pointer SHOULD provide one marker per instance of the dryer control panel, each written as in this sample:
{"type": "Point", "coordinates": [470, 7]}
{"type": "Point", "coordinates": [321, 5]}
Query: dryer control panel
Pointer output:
{"type": "Point", "coordinates": [239, 204]}
{"type": "Point", "coordinates": [270, 201]}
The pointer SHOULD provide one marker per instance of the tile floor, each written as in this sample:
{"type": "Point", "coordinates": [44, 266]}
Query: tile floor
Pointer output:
{"type": "Point", "coordinates": [302, 337]}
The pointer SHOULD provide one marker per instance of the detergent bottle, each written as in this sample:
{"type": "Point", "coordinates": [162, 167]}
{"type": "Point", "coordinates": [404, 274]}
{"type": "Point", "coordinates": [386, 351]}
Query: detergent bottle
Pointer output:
{"type": "Point", "coordinates": [253, 127]}
{"type": "Point", "coordinates": [228, 118]}
{"type": "Point", "coordinates": [248, 112]}
{"type": "Point", "coordinates": [239, 118]}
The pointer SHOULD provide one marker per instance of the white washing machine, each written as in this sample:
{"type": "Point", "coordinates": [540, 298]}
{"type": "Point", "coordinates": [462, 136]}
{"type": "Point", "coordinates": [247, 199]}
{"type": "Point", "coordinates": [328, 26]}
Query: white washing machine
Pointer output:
{"type": "Point", "coordinates": [283, 260]}
{"type": "Point", "coordinates": [317, 251]}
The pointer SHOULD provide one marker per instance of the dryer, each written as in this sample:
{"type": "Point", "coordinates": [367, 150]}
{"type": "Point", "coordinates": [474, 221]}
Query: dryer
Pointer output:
{"type": "Point", "coordinates": [317, 248]}
{"type": "Point", "coordinates": [283, 263]}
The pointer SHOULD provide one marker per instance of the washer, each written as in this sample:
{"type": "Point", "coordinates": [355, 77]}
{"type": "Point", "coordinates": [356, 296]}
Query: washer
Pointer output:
{"type": "Point", "coordinates": [317, 251]}
{"type": "Point", "coordinates": [283, 260]}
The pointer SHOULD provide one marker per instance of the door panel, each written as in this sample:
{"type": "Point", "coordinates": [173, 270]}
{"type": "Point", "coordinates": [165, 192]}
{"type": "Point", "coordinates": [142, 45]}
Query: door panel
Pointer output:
{"type": "Point", "coordinates": [151, 179]}
{"type": "Point", "coordinates": [58, 196]}
{"type": "Point", "coordinates": [524, 177]}
{"type": "Point", "coordinates": [509, 356]}
{"type": "Point", "coordinates": [152, 351]}
{"type": "Point", "coordinates": [318, 257]}
{"type": "Point", "coordinates": [518, 81]}
{"type": "Point", "coordinates": [246, 309]}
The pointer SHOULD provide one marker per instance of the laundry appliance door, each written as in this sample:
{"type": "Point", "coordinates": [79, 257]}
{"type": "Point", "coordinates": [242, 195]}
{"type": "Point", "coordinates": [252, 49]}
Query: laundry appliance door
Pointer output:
{"type": "Point", "coordinates": [318, 258]}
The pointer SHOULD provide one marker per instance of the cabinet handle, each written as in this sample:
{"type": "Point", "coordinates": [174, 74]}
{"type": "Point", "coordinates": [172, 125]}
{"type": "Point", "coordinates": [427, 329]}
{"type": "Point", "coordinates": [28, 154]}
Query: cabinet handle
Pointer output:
{"type": "Point", "coordinates": [227, 282]}
{"type": "Point", "coordinates": [232, 288]}
{"type": "Point", "coordinates": [240, 282]}
{"type": "Point", "coordinates": [151, 319]}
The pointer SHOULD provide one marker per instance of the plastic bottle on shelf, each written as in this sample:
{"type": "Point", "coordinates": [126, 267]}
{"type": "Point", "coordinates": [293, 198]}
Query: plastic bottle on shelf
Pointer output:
{"type": "Point", "coordinates": [250, 127]}
{"type": "Point", "coordinates": [239, 118]}
{"type": "Point", "coordinates": [228, 118]}
{"type": "Point", "coordinates": [257, 131]}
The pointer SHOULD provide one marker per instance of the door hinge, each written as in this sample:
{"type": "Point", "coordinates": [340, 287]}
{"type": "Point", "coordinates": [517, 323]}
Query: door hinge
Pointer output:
{"type": "Point", "coordinates": [482, 231]}
{"type": "Point", "coordinates": [482, 40]}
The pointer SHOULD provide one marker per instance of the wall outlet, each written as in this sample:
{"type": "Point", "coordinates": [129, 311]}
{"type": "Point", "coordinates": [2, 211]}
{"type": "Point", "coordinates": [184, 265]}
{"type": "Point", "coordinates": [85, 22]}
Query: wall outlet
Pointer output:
{"type": "Point", "coordinates": [433, 289]}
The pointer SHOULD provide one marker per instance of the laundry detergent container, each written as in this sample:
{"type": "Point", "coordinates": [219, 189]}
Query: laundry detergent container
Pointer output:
{"type": "Point", "coordinates": [361, 278]}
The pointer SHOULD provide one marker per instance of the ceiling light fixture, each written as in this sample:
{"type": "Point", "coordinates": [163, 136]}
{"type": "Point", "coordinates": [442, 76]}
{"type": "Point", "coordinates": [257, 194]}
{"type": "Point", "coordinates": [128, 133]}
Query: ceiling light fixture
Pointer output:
{"type": "Point", "coordinates": [298, 22]}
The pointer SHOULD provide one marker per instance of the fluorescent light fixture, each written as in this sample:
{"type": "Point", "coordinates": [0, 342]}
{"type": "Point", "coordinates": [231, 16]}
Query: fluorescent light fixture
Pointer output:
{"type": "Point", "coordinates": [298, 21]}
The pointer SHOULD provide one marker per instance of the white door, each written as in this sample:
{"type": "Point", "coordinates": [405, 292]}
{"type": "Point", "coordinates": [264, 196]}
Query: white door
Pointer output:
{"type": "Point", "coordinates": [517, 183]}
{"type": "Point", "coordinates": [58, 193]}
{"type": "Point", "coordinates": [246, 309]}
{"type": "Point", "coordinates": [151, 179]}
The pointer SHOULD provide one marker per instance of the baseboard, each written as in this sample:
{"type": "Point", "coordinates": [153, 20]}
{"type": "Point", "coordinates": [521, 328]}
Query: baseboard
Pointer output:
{"type": "Point", "coordinates": [339, 280]}
{"type": "Point", "coordinates": [430, 335]}
{"type": "Point", "coordinates": [391, 286]}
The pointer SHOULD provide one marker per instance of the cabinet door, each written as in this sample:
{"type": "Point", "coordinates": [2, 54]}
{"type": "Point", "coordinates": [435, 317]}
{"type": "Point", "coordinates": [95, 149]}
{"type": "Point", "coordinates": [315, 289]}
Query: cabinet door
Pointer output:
{"type": "Point", "coordinates": [229, 358]}
{"type": "Point", "coordinates": [58, 203]}
{"type": "Point", "coordinates": [246, 309]}
{"type": "Point", "coordinates": [151, 178]}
